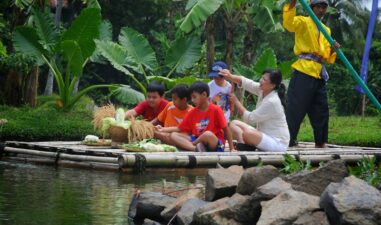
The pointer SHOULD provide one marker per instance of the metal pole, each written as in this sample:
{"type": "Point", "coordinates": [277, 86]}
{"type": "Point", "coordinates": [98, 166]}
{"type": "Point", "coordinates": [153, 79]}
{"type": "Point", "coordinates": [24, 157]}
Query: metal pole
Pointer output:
{"type": "Point", "coordinates": [341, 55]}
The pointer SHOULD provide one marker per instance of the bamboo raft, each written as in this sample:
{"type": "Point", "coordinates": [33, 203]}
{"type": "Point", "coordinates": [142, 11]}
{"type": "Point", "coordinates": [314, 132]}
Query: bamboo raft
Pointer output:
{"type": "Point", "coordinates": [75, 154]}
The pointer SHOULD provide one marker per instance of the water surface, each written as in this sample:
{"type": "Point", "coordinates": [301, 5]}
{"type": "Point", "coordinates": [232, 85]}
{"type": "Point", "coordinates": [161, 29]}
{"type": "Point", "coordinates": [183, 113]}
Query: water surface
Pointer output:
{"type": "Point", "coordinates": [35, 194]}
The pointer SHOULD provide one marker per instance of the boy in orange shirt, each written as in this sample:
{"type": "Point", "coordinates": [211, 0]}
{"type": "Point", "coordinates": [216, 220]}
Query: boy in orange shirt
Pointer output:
{"type": "Point", "coordinates": [202, 129]}
{"type": "Point", "coordinates": [173, 113]}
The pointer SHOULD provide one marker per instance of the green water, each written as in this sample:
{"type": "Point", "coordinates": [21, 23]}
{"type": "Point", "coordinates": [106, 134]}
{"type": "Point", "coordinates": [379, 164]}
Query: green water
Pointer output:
{"type": "Point", "coordinates": [35, 194]}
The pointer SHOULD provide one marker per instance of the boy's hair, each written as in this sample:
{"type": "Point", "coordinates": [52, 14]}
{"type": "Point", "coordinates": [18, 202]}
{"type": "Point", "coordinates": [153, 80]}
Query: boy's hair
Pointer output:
{"type": "Point", "coordinates": [199, 87]}
{"type": "Point", "coordinates": [182, 91]}
{"type": "Point", "coordinates": [156, 87]}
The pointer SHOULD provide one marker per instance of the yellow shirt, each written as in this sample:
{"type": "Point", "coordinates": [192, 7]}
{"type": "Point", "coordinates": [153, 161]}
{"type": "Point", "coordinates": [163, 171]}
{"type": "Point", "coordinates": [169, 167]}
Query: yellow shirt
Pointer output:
{"type": "Point", "coordinates": [307, 40]}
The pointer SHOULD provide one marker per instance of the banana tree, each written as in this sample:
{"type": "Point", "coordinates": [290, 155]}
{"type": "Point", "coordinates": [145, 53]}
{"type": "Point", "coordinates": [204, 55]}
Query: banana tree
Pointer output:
{"type": "Point", "coordinates": [133, 56]}
{"type": "Point", "coordinates": [74, 46]}
{"type": "Point", "coordinates": [233, 11]}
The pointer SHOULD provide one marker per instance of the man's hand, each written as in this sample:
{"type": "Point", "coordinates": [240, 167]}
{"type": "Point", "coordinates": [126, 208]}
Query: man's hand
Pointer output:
{"type": "Point", "coordinates": [336, 45]}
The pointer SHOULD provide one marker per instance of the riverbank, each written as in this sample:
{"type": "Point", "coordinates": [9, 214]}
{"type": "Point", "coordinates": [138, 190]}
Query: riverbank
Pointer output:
{"type": "Point", "coordinates": [50, 124]}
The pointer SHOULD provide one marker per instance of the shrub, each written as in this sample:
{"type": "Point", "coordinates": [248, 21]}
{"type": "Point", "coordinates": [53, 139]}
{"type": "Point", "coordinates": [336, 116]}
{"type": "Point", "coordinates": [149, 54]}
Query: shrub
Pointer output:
{"type": "Point", "coordinates": [45, 124]}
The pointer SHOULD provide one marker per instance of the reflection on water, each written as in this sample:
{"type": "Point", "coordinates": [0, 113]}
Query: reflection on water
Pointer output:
{"type": "Point", "coordinates": [31, 194]}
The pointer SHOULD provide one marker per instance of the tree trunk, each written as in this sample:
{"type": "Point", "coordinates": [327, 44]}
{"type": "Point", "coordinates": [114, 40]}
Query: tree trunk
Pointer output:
{"type": "Point", "coordinates": [13, 88]}
{"type": "Point", "coordinates": [229, 31]}
{"type": "Point", "coordinates": [57, 21]}
{"type": "Point", "coordinates": [247, 55]}
{"type": "Point", "coordinates": [49, 84]}
{"type": "Point", "coordinates": [30, 88]}
{"type": "Point", "coordinates": [210, 44]}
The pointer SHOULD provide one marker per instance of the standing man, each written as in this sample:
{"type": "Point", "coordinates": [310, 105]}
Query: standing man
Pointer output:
{"type": "Point", "coordinates": [307, 92]}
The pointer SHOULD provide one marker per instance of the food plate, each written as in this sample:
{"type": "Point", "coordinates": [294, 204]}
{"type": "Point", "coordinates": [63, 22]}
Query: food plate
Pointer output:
{"type": "Point", "coordinates": [101, 142]}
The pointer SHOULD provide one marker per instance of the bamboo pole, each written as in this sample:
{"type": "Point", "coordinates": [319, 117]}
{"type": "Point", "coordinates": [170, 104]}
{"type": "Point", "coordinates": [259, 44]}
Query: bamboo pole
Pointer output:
{"type": "Point", "coordinates": [62, 155]}
{"type": "Point", "coordinates": [340, 53]}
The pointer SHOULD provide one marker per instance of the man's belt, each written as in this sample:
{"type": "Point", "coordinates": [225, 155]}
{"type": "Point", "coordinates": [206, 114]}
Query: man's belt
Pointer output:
{"type": "Point", "coordinates": [312, 57]}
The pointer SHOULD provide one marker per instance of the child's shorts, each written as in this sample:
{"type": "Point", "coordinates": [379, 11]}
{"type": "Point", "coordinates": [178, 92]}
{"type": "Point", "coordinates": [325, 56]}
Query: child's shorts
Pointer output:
{"type": "Point", "coordinates": [220, 145]}
{"type": "Point", "coordinates": [270, 144]}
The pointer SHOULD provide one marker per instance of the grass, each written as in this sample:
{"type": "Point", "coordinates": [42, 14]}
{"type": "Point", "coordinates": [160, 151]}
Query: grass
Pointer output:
{"type": "Point", "coordinates": [355, 131]}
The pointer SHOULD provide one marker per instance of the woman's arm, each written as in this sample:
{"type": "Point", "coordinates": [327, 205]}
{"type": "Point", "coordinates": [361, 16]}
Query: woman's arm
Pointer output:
{"type": "Point", "coordinates": [238, 105]}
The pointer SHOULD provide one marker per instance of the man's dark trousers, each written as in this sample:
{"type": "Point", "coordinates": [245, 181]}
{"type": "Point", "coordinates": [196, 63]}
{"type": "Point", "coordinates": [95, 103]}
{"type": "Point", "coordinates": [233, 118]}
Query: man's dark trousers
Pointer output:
{"type": "Point", "coordinates": [307, 95]}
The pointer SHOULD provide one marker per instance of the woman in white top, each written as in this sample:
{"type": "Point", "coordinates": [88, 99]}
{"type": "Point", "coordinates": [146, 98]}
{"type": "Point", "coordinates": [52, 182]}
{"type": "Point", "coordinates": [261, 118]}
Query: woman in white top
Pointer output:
{"type": "Point", "coordinates": [271, 133]}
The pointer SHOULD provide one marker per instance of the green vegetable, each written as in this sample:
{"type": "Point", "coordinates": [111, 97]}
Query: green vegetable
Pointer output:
{"type": "Point", "coordinates": [119, 117]}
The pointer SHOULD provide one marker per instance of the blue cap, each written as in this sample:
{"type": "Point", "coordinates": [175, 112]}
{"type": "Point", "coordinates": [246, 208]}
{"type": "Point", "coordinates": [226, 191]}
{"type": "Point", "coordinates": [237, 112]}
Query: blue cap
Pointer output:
{"type": "Point", "coordinates": [216, 67]}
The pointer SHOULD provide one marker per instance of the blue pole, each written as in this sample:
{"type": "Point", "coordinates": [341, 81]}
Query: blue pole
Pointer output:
{"type": "Point", "coordinates": [368, 45]}
{"type": "Point", "coordinates": [341, 55]}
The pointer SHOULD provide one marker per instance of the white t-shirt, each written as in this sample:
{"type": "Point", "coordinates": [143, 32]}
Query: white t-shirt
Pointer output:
{"type": "Point", "coordinates": [219, 96]}
{"type": "Point", "coordinates": [269, 113]}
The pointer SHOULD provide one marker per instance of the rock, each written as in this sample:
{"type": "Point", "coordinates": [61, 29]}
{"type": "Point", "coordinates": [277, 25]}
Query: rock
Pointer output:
{"type": "Point", "coordinates": [173, 208]}
{"type": "Point", "coordinates": [222, 182]}
{"type": "Point", "coordinates": [150, 222]}
{"type": "Point", "coordinates": [151, 204]}
{"type": "Point", "coordinates": [208, 207]}
{"type": "Point", "coordinates": [287, 207]}
{"type": "Point", "coordinates": [352, 202]}
{"type": "Point", "coordinates": [185, 215]}
{"type": "Point", "coordinates": [314, 182]}
{"type": "Point", "coordinates": [222, 211]}
{"type": "Point", "coordinates": [255, 177]}
{"type": "Point", "coordinates": [314, 218]}
{"type": "Point", "coordinates": [263, 193]}
{"type": "Point", "coordinates": [273, 188]}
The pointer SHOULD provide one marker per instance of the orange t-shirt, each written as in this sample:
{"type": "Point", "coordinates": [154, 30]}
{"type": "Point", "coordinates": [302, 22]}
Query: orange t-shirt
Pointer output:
{"type": "Point", "coordinates": [171, 116]}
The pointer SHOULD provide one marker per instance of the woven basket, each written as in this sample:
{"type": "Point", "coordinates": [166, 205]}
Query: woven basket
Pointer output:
{"type": "Point", "coordinates": [118, 135]}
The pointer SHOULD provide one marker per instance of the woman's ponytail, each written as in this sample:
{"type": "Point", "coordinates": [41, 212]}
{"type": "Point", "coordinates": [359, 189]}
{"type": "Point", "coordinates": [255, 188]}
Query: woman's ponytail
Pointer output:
{"type": "Point", "coordinates": [282, 94]}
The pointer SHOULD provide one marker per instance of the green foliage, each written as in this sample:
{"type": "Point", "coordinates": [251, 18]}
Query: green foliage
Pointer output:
{"type": "Point", "coordinates": [263, 13]}
{"type": "Point", "coordinates": [368, 170]}
{"type": "Point", "coordinates": [45, 29]}
{"type": "Point", "coordinates": [138, 48]}
{"type": "Point", "coordinates": [183, 54]}
{"type": "Point", "coordinates": [266, 60]}
{"type": "Point", "coordinates": [76, 45]}
{"type": "Point", "coordinates": [18, 62]}
{"type": "Point", "coordinates": [127, 96]}
{"type": "Point", "coordinates": [291, 165]}
{"type": "Point", "coordinates": [3, 50]}
{"type": "Point", "coordinates": [199, 12]}
{"type": "Point", "coordinates": [134, 56]}
{"type": "Point", "coordinates": [27, 124]}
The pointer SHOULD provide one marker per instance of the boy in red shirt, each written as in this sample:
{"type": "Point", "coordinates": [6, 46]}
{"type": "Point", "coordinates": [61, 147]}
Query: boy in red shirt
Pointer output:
{"type": "Point", "coordinates": [152, 106]}
{"type": "Point", "coordinates": [202, 129]}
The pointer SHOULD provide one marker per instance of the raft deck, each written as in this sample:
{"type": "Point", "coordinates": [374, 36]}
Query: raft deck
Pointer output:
{"type": "Point", "coordinates": [75, 153]}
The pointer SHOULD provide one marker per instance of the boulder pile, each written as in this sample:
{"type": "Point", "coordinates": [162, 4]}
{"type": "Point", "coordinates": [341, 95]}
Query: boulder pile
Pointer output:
{"type": "Point", "coordinates": [262, 196]}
